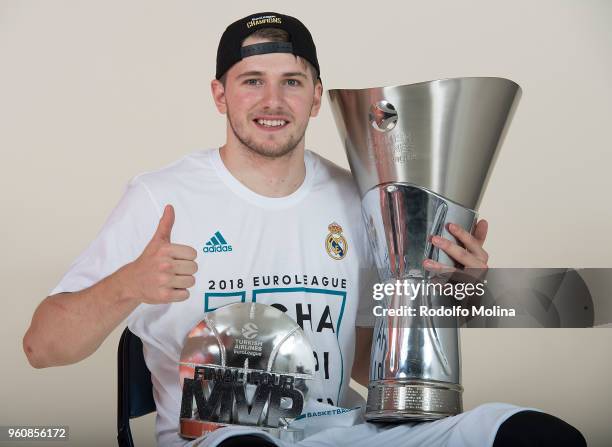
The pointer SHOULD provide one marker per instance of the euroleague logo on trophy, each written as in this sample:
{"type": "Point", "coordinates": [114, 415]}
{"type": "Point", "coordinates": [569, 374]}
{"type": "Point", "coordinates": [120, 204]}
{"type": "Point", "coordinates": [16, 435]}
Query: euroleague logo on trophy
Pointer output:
{"type": "Point", "coordinates": [383, 116]}
{"type": "Point", "coordinates": [249, 330]}
{"type": "Point", "coordinates": [245, 364]}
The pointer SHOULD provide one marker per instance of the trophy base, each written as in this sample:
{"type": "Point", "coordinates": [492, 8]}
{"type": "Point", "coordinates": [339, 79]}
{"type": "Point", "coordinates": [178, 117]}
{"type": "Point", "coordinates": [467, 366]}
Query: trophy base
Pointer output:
{"type": "Point", "coordinates": [412, 400]}
{"type": "Point", "coordinates": [194, 428]}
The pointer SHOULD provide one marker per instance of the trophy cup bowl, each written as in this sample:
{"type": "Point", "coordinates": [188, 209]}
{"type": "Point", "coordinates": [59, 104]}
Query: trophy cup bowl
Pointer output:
{"type": "Point", "coordinates": [421, 156]}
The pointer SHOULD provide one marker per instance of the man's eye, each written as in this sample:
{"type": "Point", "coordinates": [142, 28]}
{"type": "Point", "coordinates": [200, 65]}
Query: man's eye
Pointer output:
{"type": "Point", "coordinates": [293, 82]}
{"type": "Point", "coordinates": [252, 82]}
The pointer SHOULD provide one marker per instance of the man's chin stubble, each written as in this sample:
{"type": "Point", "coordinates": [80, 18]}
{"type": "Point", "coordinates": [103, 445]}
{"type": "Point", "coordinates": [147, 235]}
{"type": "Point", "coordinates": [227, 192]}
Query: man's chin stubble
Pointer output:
{"type": "Point", "coordinates": [263, 151]}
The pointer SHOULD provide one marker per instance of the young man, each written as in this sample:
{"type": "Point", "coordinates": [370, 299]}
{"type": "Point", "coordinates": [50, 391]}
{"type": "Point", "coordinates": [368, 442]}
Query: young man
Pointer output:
{"type": "Point", "coordinates": [255, 214]}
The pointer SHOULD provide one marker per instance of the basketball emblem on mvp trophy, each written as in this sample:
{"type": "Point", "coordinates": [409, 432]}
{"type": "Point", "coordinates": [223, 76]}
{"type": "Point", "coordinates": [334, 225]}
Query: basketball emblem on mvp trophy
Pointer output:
{"type": "Point", "coordinates": [335, 244]}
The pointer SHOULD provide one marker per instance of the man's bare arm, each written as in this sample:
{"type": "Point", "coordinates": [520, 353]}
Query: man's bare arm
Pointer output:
{"type": "Point", "coordinates": [68, 327]}
{"type": "Point", "coordinates": [363, 347]}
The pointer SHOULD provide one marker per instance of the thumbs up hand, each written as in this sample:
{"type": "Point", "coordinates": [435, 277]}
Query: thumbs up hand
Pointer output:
{"type": "Point", "coordinates": [164, 271]}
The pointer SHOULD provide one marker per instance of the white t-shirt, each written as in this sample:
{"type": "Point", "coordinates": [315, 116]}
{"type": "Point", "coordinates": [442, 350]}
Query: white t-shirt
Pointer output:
{"type": "Point", "coordinates": [306, 253]}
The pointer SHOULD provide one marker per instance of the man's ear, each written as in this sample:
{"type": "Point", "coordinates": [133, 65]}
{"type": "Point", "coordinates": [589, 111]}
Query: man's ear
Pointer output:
{"type": "Point", "coordinates": [218, 93]}
{"type": "Point", "coordinates": [318, 93]}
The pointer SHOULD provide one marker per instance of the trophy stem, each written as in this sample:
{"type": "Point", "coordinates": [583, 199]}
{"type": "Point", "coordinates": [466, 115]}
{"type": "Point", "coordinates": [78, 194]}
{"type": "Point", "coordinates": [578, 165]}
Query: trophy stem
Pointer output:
{"type": "Point", "coordinates": [415, 370]}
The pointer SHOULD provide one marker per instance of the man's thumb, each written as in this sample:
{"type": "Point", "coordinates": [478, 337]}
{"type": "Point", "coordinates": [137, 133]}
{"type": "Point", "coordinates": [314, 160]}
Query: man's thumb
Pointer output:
{"type": "Point", "coordinates": [165, 224]}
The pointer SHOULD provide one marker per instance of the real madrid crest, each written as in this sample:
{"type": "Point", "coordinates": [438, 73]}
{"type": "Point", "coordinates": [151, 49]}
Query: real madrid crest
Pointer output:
{"type": "Point", "coordinates": [335, 244]}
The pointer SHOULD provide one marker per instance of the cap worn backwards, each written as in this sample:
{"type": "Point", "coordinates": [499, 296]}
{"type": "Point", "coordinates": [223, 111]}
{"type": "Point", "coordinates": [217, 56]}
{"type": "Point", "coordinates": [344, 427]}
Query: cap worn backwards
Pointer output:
{"type": "Point", "coordinates": [231, 51]}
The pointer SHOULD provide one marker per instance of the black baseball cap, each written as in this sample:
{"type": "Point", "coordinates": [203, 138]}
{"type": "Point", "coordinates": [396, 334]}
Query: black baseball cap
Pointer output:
{"type": "Point", "coordinates": [231, 51]}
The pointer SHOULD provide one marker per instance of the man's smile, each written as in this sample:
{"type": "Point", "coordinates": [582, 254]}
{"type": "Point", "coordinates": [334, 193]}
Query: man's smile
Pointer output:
{"type": "Point", "coordinates": [271, 123]}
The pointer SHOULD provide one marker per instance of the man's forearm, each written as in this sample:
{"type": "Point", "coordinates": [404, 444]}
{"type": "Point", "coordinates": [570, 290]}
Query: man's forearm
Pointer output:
{"type": "Point", "coordinates": [68, 327]}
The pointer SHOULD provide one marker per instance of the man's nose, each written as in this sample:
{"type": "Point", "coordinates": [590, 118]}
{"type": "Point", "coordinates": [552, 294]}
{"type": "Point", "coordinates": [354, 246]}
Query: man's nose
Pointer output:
{"type": "Point", "coordinates": [273, 96]}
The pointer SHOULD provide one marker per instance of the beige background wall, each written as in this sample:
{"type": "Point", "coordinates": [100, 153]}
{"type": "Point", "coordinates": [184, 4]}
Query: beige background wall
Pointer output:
{"type": "Point", "coordinates": [94, 92]}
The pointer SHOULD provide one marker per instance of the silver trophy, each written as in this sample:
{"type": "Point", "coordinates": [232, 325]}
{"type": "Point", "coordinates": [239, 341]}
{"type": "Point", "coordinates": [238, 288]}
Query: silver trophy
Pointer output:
{"type": "Point", "coordinates": [421, 155]}
{"type": "Point", "coordinates": [245, 364]}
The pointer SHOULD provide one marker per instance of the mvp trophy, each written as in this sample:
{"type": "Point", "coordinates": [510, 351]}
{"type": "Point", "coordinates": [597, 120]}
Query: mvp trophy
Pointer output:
{"type": "Point", "coordinates": [246, 365]}
{"type": "Point", "coordinates": [421, 155]}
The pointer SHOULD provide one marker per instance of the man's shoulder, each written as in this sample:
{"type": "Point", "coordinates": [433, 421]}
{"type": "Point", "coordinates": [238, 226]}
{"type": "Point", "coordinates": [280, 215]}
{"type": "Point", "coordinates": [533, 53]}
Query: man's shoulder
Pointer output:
{"type": "Point", "coordinates": [177, 172]}
{"type": "Point", "coordinates": [332, 175]}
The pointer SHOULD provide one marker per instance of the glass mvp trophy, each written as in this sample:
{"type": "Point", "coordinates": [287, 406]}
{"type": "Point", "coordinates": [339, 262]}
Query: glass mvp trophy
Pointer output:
{"type": "Point", "coordinates": [421, 155]}
{"type": "Point", "coordinates": [246, 365]}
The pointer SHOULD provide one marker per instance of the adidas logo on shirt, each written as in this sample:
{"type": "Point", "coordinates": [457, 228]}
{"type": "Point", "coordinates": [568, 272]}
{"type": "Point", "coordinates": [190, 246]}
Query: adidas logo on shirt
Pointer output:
{"type": "Point", "coordinates": [217, 243]}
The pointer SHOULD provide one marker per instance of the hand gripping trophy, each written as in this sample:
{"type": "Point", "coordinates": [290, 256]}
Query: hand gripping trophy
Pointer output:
{"type": "Point", "coordinates": [421, 155]}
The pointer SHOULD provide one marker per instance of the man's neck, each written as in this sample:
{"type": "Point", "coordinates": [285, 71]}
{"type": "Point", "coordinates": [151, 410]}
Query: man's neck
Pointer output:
{"type": "Point", "coordinates": [270, 177]}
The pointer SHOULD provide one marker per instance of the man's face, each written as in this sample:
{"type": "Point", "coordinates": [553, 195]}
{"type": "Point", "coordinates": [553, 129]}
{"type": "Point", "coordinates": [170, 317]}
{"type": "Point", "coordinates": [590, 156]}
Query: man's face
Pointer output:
{"type": "Point", "coordinates": [268, 99]}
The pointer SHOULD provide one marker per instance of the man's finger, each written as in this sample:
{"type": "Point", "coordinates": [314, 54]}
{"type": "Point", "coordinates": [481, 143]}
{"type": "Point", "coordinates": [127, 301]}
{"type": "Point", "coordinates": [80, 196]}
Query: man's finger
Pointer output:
{"type": "Point", "coordinates": [178, 251]}
{"type": "Point", "coordinates": [469, 241]}
{"type": "Point", "coordinates": [182, 267]}
{"type": "Point", "coordinates": [182, 281]}
{"type": "Point", "coordinates": [437, 267]}
{"type": "Point", "coordinates": [179, 295]}
{"type": "Point", "coordinates": [480, 231]}
{"type": "Point", "coordinates": [459, 254]}
{"type": "Point", "coordinates": [164, 228]}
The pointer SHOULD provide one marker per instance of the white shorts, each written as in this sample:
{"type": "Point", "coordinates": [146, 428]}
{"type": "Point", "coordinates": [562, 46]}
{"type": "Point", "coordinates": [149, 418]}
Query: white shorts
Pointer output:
{"type": "Point", "coordinates": [476, 428]}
